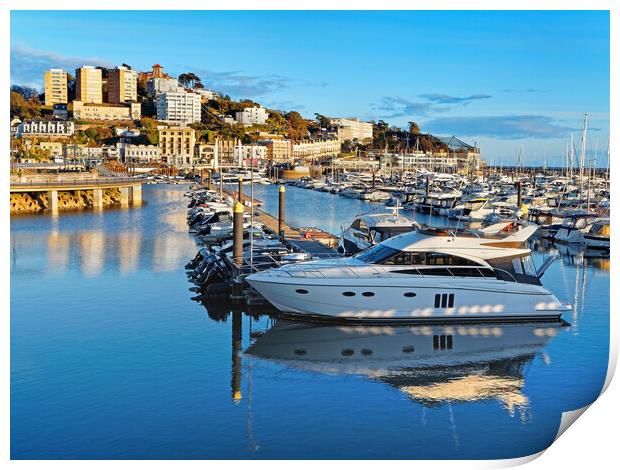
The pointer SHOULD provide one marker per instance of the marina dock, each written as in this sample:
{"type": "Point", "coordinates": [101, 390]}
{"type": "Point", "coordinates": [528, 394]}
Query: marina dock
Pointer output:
{"type": "Point", "coordinates": [313, 241]}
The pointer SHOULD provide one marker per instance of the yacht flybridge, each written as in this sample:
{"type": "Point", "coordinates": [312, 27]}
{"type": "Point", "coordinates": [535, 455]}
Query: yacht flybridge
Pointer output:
{"type": "Point", "coordinates": [423, 275]}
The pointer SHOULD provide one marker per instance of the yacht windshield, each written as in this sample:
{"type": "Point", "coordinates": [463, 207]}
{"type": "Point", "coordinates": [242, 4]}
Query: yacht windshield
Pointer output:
{"type": "Point", "coordinates": [376, 254]}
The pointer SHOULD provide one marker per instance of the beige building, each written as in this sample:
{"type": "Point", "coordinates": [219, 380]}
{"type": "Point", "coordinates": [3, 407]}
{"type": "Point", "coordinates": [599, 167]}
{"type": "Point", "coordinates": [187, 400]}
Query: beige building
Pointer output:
{"type": "Point", "coordinates": [122, 85]}
{"type": "Point", "coordinates": [132, 153]}
{"type": "Point", "coordinates": [316, 148]}
{"type": "Point", "coordinates": [105, 112]}
{"type": "Point", "coordinates": [88, 85]}
{"type": "Point", "coordinates": [277, 150]}
{"type": "Point", "coordinates": [177, 145]}
{"type": "Point", "coordinates": [55, 148]}
{"type": "Point", "coordinates": [205, 155]}
{"type": "Point", "coordinates": [352, 129]}
{"type": "Point", "coordinates": [55, 87]}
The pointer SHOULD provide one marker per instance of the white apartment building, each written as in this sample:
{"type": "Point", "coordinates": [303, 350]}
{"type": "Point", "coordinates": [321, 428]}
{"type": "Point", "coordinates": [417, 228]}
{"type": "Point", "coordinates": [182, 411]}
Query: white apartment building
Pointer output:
{"type": "Point", "coordinates": [158, 85]}
{"type": "Point", "coordinates": [242, 153]}
{"type": "Point", "coordinates": [352, 129]}
{"type": "Point", "coordinates": [178, 107]}
{"type": "Point", "coordinates": [252, 116]}
{"type": "Point", "coordinates": [132, 153]}
{"type": "Point", "coordinates": [89, 85]}
{"type": "Point", "coordinates": [45, 128]}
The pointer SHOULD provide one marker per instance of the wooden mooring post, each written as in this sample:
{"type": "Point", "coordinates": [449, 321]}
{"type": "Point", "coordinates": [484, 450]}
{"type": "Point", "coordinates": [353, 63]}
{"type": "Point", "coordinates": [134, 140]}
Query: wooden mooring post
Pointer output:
{"type": "Point", "coordinates": [281, 211]}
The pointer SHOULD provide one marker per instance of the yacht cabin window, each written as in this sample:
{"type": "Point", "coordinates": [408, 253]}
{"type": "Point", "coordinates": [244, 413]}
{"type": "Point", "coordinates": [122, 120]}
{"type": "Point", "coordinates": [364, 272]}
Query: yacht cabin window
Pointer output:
{"type": "Point", "coordinates": [389, 256]}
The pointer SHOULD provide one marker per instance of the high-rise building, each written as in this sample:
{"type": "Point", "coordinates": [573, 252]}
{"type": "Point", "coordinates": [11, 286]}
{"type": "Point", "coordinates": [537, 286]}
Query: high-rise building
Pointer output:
{"type": "Point", "coordinates": [88, 86]}
{"type": "Point", "coordinates": [178, 107]}
{"type": "Point", "coordinates": [122, 85]}
{"type": "Point", "coordinates": [55, 86]}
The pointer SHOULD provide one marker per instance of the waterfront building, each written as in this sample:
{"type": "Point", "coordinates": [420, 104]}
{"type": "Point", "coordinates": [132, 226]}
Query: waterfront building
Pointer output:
{"type": "Point", "coordinates": [467, 156]}
{"type": "Point", "coordinates": [205, 155]}
{"type": "Point", "coordinates": [106, 112]}
{"type": "Point", "coordinates": [226, 151]}
{"type": "Point", "coordinates": [441, 161]}
{"type": "Point", "coordinates": [60, 111]}
{"type": "Point", "coordinates": [316, 148]}
{"type": "Point", "coordinates": [55, 82]}
{"type": "Point", "coordinates": [88, 85]}
{"type": "Point", "coordinates": [44, 129]}
{"type": "Point", "coordinates": [134, 153]}
{"type": "Point", "coordinates": [177, 145]}
{"type": "Point", "coordinates": [178, 107]}
{"type": "Point", "coordinates": [252, 116]}
{"type": "Point", "coordinates": [277, 150]}
{"type": "Point", "coordinates": [352, 129]}
{"type": "Point", "coordinates": [157, 85]}
{"type": "Point", "coordinates": [122, 85]}
{"type": "Point", "coordinates": [243, 153]}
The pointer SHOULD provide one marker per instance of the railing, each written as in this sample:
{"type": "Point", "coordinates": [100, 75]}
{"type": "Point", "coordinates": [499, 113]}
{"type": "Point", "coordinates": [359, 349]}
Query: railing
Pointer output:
{"type": "Point", "coordinates": [365, 271]}
{"type": "Point", "coordinates": [75, 182]}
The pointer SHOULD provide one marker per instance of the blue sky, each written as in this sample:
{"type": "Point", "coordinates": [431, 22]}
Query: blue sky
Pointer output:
{"type": "Point", "coordinates": [506, 80]}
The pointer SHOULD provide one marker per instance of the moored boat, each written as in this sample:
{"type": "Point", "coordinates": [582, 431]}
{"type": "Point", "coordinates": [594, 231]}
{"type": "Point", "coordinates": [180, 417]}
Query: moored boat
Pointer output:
{"type": "Point", "coordinates": [418, 276]}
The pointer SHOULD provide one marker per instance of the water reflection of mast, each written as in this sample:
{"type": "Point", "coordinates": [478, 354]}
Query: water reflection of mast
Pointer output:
{"type": "Point", "coordinates": [583, 288]}
{"type": "Point", "coordinates": [575, 300]}
{"type": "Point", "coordinates": [251, 444]}
{"type": "Point", "coordinates": [235, 383]}
{"type": "Point", "coordinates": [455, 435]}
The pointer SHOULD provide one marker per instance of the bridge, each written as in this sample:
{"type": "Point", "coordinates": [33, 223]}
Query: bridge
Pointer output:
{"type": "Point", "coordinates": [76, 192]}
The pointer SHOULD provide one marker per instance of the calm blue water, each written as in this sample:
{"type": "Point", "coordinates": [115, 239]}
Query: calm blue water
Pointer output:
{"type": "Point", "coordinates": [110, 357]}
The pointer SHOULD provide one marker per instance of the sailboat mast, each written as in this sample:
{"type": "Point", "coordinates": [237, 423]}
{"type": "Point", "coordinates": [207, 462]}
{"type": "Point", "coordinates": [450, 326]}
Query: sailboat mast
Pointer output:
{"type": "Point", "coordinates": [608, 160]}
{"type": "Point", "coordinates": [583, 152]}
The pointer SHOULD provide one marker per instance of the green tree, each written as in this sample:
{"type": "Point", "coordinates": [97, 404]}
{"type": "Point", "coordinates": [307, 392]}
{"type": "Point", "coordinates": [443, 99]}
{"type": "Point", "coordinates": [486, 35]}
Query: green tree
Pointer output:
{"type": "Point", "coordinates": [24, 108]}
{"type": "Point", "coordinates": [298, 128]}
{"type": "Point", "coordinates": [149, 126]}
{"type": "Point", "coordinates": [322, 121]}
{"type": "Point", "coordinates": [189, 80]}
{"type": "Point", "coordinates": [413, 127]}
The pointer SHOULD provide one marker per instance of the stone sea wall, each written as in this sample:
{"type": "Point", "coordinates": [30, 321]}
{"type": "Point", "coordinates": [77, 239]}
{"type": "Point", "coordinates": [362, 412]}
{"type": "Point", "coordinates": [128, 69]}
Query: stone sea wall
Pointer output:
{"type": "Point", "coordinates": [67, 200]}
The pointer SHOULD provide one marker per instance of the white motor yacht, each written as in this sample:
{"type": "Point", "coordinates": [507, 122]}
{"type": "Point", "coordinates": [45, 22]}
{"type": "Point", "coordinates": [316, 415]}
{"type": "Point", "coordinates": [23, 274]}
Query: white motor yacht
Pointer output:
{"type": "Point", "coordinates": [474, 210]}
{"type": "Point", "coordinates": [418, 276]}
{"type": "Point", "coordinates": [574, 227]}
{"type": "Point", "coordinates": [370, 229]}
{"type": "Point", "coordinates": [598, 236]}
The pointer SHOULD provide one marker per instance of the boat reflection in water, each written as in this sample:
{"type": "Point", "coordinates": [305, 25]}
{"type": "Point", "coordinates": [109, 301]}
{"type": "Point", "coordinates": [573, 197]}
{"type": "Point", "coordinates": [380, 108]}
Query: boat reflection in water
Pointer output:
{"type": "Point", "coordinates": [433, 365]}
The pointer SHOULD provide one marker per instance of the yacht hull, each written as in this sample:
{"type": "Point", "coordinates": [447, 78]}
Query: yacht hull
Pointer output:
{"type": "Point", "coordinates": [565, 235]}
{"type": "Point", "coordinates": [418, 300]}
